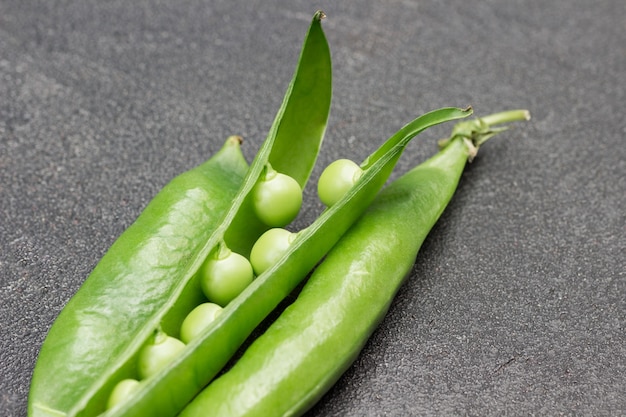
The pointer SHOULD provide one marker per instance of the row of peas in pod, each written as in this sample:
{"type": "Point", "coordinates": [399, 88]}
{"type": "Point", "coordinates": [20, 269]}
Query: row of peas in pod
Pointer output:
{"type": "Point", "coordinates": [276, 200]}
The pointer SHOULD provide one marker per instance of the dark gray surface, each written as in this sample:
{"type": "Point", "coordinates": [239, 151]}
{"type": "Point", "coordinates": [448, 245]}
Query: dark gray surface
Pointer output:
{"type": "Point", "coordinates": [518, 298]}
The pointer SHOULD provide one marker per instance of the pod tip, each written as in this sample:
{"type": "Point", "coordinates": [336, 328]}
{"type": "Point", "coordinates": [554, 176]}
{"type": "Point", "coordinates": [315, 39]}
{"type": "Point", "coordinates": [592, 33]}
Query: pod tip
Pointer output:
{"type": "Point", "coordinates": [235, 139]}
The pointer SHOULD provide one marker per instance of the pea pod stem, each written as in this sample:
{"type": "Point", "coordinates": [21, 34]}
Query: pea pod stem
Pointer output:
{"type": "Point", "coordinates": [477, 131]}
{"type": "Point", "coordinates": [222, 251]}
{"type": "Point", "coordinates": [505, 117]}
{"type": "Point", "coordinates": [298, 358]}
{"type": "Point", "coordinates": [267, 173]}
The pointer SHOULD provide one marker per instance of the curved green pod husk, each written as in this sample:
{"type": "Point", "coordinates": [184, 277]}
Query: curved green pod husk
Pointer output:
{"type": "Point", "coordinates": [295, 137]}
{"type": "Point", "coordinates": [171, 389]}
{"type": "Point", "coordinates": [101, 322]}
{"type": "Point", "coordinates": [301, 355]}
{"type": "Point", "coordinates": [147, 279]}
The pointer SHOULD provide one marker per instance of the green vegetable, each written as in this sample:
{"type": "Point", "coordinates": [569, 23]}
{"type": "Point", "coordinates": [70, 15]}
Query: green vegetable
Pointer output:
{"type": "Point", "coordinates": [211, 350]}
{"type": "Point", "coordinates": [157, 354]}
{"type": "Point", "coordinates": [269, 248]}
{"type": "Point", "coordinates": [224, 275]}
{"type": "Point", "coordinates": [288, 368]}
{"type": "Point", "coordinates": [113, 317]}
{"type": "Point", "coordinates": [197, 320]}
{"type": "Point", "coordinates": [148, 279]}
{"type": "Point", "coordinates": [337, 179]}
{"type": "Point", "coordinates": [277, 198]}
{"type": "Point", "coordinates": [94, 341]}
{"type": "Point", "coordinates": [122, 390]}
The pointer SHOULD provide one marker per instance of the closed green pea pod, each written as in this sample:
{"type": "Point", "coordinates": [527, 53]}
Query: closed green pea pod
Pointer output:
{"type": "Point", "coordinates": [288, 368]}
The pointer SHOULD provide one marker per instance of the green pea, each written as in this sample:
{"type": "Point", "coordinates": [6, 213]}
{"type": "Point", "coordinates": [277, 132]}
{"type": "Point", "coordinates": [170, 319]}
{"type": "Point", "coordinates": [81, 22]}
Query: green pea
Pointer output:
{"type": "Point", "coordinates": [197, 320]}
{"type": "Point", "coordinates": [269, 248]}
{"type": "Point", "coordinates": [277, 198]}
{"type": "Point", "coordinates": [122, 390]}
{"type": "Point", "coordinates": [224, 275]}
{"type": "Point", "coordinates": [157, 354]}
{"type": "Point", "coordinates": [337, 179]}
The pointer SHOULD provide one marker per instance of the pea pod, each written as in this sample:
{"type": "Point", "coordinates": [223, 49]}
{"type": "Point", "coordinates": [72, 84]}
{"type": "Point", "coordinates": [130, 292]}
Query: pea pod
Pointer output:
{"type": "Point", "coordinates": [301, 355]}
{"type": "Point", "coordinates": [146, 280]}
{"type": "Point", "coordinates": [205, 356]}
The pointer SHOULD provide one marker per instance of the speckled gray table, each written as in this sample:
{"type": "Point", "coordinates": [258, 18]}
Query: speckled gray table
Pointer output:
{"type": "Point", "coordinates": [516, 305]}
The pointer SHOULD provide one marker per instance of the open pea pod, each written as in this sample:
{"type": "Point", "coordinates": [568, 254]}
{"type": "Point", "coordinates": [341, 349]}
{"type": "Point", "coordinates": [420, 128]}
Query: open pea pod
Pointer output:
{"type": "Point", "coordinates": [167, 392]}
{"type": "Point", "coordinates": [146, 279]}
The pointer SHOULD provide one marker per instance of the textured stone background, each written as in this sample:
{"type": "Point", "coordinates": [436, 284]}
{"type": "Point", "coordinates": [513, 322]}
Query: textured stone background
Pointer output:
{"type": "Point", "coordinates": [516, 304]}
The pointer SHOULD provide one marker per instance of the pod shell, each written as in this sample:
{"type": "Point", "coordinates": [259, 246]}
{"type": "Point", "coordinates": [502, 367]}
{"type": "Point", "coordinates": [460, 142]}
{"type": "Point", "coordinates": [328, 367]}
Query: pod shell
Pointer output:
{"type": "Point", "coordinates": [131, 283]}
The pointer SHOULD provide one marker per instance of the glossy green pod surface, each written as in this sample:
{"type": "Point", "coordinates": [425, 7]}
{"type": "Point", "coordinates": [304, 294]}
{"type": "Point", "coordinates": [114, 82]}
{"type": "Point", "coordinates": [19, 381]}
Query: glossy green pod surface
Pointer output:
{"type": "Point", "coordinates": [147, 279]}
{"type": "Point", "coordinates": [132, 280]}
